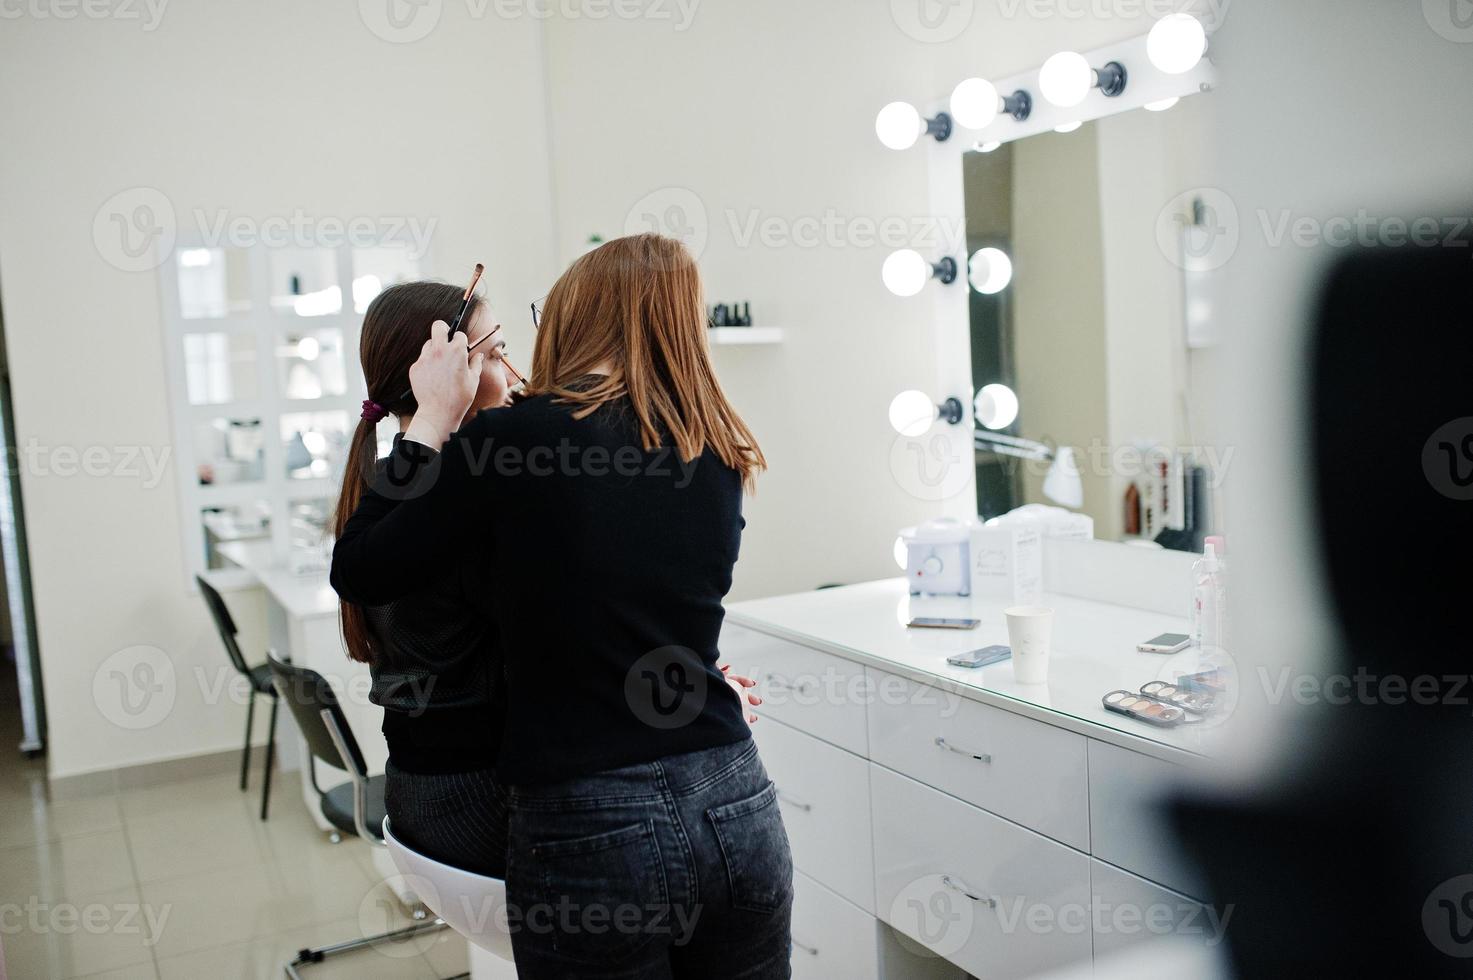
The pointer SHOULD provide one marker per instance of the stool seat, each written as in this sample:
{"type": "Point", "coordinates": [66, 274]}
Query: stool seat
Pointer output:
{"type": "Point", "coordinates": [471, 904]}
{"type": "Point", "coordinates": [337, 806]}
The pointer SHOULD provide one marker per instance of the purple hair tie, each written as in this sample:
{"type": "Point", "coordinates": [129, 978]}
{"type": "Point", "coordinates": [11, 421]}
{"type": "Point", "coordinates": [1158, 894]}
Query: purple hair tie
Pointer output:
{"type": "Point", "coordinates": [373, 411]}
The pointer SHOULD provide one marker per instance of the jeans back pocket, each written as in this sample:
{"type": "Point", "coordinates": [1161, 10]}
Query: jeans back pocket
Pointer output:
{"type": "Point", "coordinates": [754, 844]}
{"type": "Point", "coordinates": [598, 897]}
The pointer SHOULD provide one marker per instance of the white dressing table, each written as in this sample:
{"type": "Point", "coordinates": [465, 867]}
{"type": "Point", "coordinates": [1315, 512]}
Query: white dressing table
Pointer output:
{"type": "Point", "coordinates": [1004, 829]}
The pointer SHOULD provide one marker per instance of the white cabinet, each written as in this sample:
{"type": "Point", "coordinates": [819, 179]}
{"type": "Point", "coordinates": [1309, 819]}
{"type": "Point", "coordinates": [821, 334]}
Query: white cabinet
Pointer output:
{"type": "Point", "coordinates": [818, 693]}
{"type": "Point", "coordinates": [1128, 909]}
{"type": "Point", "coordinates": [992, 897]}
{"type": "Point", "coordinates": [831, 937]}
{"type": "Point", "coordinates": [1025, 770]}
{"type": "Point", "coordinates": [1128, 825]}
{"type": "Point", "coordinates": [824, 795]}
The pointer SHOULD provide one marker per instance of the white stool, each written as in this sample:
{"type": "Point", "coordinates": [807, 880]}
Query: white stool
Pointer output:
{"type": "Point", "coordinates": [471, 904]}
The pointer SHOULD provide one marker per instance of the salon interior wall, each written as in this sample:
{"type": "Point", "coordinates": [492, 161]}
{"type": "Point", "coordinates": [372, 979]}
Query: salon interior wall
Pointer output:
{"type": "Point", "coordinates": [758, 117]}
{"type": "Point", "coordinates": [255, 110]}
{"type": "Point", "coordinates": [1328, 139]}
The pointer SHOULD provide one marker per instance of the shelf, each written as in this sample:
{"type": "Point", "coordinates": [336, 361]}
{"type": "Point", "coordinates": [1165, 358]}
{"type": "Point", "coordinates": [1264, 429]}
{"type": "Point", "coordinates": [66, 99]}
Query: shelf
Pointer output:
{"type": "Point", "coordinates": [746, 335]}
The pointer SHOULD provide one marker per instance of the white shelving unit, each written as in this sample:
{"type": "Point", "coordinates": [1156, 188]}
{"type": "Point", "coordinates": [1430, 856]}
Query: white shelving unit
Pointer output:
{"type": "Point", "coordinates": [732, 336]}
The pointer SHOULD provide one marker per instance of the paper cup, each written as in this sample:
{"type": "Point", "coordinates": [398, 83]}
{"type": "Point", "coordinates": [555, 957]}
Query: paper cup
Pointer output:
{"type": "Point", "coordinates": [1030, 631]}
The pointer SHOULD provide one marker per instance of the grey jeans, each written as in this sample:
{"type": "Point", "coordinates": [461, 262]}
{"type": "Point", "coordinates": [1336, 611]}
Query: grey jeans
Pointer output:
{"type": "Point", "coordinates": [678, 868]}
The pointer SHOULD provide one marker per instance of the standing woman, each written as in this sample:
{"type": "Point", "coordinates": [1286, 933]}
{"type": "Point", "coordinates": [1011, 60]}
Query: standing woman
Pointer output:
{"type": "Point", "coordinates": [645, 837]}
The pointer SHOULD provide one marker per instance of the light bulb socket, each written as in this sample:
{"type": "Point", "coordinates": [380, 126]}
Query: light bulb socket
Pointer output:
{"type": "Point", "coordinates": [939, 127]}
{"type": "Point", "coordinates": [1112, 78]}
{"type": "Point", "coordinates": [951, 411]}
{"type": "Point", "coordinates": [1019, 105]}
{"type": "Point", "coordinates": [945, 270]}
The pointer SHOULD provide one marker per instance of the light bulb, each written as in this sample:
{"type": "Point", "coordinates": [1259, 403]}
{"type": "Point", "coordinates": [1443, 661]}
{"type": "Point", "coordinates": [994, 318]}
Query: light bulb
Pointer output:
{"type": "Point", "coordinates": [905, 272]}
{"type": "Point", "coordinates": [987, 147]}
{"type": "Point", "coordinates": [989, 270]}
{"type": "Point", "coordinates": [1066, 79]}
{"type": "Point", "coordinates": [1176, 44]}
{"type": "Point", "coordinates": [1162, 105]}
{"type": "Point", "coordinates": [996, 406]}
{"type": "Point", "coordinates": [912, 413]}
{"type": "Point", "coordinates": [308, 348]}
{"type": "Point", "coordinates": [1068, 127]}
{"type": "Point", "coordinates": [902, 554]}
{"type": "Point", "coordinates": [898, 125]}
{"type": "Point", "coordinates": [975, 103]}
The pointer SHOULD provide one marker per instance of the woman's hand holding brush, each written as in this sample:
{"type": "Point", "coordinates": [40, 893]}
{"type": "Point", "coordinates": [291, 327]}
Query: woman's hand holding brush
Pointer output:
{"type": "Point", "coordinates": [444, 384]}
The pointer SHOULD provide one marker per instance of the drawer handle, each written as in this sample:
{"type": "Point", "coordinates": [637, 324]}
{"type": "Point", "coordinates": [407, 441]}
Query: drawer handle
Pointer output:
{"type": "Point", "coordinates": [776, 683]}
{"type": "Point", "coordinates": [810, 950]}
{"type": "Point", "coordinates": [785, 798]}
{"type": "Point", "coordinates": [979, 756]}
{"type": "Point", "coordinates": [957, 885]}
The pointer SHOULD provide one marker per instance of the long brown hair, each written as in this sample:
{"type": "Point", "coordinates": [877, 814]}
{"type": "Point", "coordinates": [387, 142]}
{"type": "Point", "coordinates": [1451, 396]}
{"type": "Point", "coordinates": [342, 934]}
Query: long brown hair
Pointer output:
{"type": "Point", "coordinates": [395, 328]}
{"type": "Point", "coordinates": [636, 303]}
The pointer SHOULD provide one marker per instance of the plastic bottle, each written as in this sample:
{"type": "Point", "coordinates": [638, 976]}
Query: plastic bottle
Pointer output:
{"type": "Point", "coordinates": [1208, 602]}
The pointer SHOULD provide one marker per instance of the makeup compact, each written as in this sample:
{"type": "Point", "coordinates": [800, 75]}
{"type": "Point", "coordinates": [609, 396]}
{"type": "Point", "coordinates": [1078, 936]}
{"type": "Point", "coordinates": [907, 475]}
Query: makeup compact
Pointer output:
{"type": "Point", "coordinates": [1145, 709]}
{"type": "Point", "coordinates": [1197, 701]}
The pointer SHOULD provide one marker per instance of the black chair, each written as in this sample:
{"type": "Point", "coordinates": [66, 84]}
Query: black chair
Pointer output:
{"type": "Point", "coordinates": [355, 807]}
{"type": "Point", "coordinates": [259, 678]}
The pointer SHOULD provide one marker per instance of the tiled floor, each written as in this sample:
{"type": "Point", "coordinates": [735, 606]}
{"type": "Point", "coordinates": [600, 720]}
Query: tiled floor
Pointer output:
{"type": "Point", "coordinates": [184, 881]}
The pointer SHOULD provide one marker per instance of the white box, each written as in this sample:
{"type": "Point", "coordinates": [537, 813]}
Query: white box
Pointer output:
{"type": "Point", "coordinates": [1007, 563]}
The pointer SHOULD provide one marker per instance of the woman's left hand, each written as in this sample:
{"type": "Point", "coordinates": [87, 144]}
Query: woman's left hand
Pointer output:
{"type": "Point", "coordinates": [743, 688]}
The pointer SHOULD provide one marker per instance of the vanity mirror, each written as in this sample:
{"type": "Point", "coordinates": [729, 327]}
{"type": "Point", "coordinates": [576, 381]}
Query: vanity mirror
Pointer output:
{"type": "Point", "coordinates": [1083, 271]}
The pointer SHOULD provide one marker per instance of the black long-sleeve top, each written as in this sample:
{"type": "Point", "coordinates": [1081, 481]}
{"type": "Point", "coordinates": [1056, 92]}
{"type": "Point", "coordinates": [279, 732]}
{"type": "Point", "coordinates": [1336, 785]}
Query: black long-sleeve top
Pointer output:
{"type": "Point", "coordinates": [605, 566]}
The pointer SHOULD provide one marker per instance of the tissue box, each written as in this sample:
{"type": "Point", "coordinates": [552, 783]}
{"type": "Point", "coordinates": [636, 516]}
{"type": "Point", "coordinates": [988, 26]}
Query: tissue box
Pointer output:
{"type": "Point", "coordinates": [1007, 564]}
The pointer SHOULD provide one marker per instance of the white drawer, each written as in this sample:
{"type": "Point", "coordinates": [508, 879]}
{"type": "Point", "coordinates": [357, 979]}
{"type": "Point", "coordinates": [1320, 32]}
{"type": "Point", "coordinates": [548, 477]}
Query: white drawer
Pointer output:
{"type": "Point", "coordinates": [831, 938]}
{"type": "Point", "coordinates": [1128, 827]}
{"type": "Point", "coordinates": [1128, 909]}
{"type": "Point", "coordinates": [824, 795]}
{"type": "Point", "coordinates": [1027, 771]}
{"type": "Point", "coordinates": [995, 899]}
{"type": "Point", "coordinates": [815, 692]}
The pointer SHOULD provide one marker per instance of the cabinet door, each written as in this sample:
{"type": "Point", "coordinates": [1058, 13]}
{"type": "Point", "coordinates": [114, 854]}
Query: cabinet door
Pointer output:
{"type": "Point", "coordinates": [815, 692]}
{"type": "Point", "coordinates": [994, 898]}
{"type": "Point", "coordinates": [831, 938]}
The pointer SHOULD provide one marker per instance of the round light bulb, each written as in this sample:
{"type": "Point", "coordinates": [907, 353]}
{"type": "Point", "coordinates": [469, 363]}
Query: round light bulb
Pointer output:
{"type": "Point", "coordinates": [1176, 44]}
{"type": "Point", "coordinates": [1068, 127]}
{"type": "Point", "coordinates": [902, 555]}
{"type": "Point", "coordinates": [996, 406]}
{"type": "Point", "coordinates": [989, 270]}
{"type": "Point", "coordinates": [899, 125]}
{"type": "Point", "coordinates": [308, 348]}
{"type": "Point", "coordinates": [912, 413]}
{"type": "Point", "coordinates": [1163, 104]}
{"type": "Point", "coordinates": [975, 103]}
{"type": "Point", "coordinates": [905, 272]}
{"type": "Point", "coordinates": [1066, 79]}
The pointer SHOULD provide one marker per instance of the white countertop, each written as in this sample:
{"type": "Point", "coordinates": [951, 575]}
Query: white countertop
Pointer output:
{"type": "Point", "coordinates": [1094, 652]}
{"type": "Point", "coordinates": [301, 595]}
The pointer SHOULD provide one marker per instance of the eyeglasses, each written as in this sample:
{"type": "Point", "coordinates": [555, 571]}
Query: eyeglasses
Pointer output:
{"type": "Point", "coordinates": [536, 317]}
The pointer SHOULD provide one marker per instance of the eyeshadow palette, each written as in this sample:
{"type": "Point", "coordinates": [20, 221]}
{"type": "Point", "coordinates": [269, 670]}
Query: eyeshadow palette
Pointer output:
{"type": "Point", "coordinates": [1197, 701]}
{"type": "Point", "coordinates": [1145, 709]}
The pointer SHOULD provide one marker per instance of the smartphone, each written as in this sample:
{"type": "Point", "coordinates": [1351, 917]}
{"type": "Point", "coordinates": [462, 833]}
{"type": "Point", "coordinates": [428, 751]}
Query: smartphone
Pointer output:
{"type": "Point", "coordinates": [1165, 643]}
{"type": "Point", "coordinates": [984, 657]}
{"type": "Point", "coordinates": [934, 623]}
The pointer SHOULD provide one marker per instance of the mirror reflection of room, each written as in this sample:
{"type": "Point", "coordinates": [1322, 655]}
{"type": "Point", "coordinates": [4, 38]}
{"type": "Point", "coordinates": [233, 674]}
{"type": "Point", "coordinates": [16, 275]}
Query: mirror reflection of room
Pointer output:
{"type": "Point", "coordinates": [1079, 323]}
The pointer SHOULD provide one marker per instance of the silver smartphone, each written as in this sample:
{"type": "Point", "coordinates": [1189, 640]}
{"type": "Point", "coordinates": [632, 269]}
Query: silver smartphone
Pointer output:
{"type": "Point", "coordinates": [1165, 643]}
{"type": "Point", "coordinates": [983, 657]}
{"type": "Point", "coordinates": [936, 623]}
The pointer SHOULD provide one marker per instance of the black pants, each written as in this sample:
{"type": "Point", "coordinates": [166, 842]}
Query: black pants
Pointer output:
{"type": "Point", "coordinates": [674, 869]}
{"type": "Point", "coordinates": [456, 818]}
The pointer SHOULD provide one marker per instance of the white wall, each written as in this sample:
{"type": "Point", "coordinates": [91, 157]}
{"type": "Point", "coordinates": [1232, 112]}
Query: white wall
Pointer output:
{"type": "Point", "coordinates": [259, 109]}
{"type": "Point", "coordinates": [1311, 134]}
{"type": "Point", "coordinates": [765, 109]}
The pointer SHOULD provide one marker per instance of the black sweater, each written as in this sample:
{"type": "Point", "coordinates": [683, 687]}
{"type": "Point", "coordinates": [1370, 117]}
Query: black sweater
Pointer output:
{"type": "Point", "coordinates": [605, 567]}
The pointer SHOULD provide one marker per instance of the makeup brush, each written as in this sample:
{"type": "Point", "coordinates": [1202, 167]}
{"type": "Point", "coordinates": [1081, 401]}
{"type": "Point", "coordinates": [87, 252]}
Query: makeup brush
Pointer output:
{"type": "Point", "coordinates": [465, 303]}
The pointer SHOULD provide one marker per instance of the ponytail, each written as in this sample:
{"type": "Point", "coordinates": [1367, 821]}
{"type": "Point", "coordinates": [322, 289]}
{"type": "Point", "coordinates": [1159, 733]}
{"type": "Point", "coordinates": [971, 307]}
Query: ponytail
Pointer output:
{"type": "Point", "coordinates": [362, 455]}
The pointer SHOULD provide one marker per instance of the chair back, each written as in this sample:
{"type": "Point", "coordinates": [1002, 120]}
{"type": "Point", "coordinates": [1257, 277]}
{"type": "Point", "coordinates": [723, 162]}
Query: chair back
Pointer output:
{"type": "Point", "coordinates": [471, 904]}
{"type": "Point", "coordinates": [312, 703]}
{"type": "Point", "coordinates": [224, 625]}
